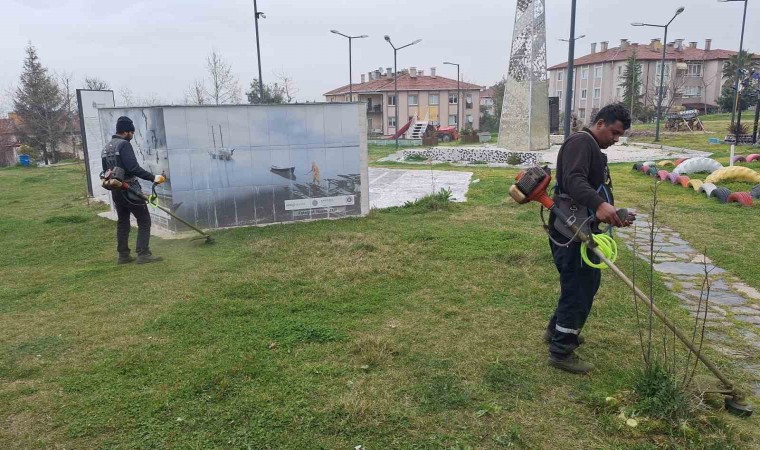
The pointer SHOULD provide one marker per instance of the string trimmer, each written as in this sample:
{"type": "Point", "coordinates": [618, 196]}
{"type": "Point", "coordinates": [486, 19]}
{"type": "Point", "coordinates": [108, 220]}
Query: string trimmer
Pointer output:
{"type": "Point", "coordinates": [152, 200]}
{"type": "Point", "coordinates": [531, 186]}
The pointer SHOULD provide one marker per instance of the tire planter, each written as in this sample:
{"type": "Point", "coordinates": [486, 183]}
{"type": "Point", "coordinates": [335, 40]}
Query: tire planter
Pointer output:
{"type": "Point", "coordinates": [707, 188]}
{"type": "Point", "coordinates": [663, 175]}
{"type": "Point", "coordinates": [721, 194]}
{"type": "Point", "coordinates": [673, 178]}
{"type": "Point", "coordinates": [737, 173]}
{"type": "Point", "coordinates": [755, 192]}
{"type": "Point", "coordinates": [680, 160]}
{"type": "Point", "coordinates": [652, 171]}
{"type": "Point", "coordinates": [644, 169]}
{"type": "Point", "coordinates": [637, 167]}
{"type": "Point", "coordinates": [695, 184]}
{"type": "Point", "coordinates": [649, 163]}
{"type": "Point", "coordinates": [694, 165]}
{"type": "Point", "coordinates": [740, 197]}
{"type": "Point", "coordinates": [753, 157]}
{"type": "Point", "coordinates": [738, 158]}
{"type": "Point", "coordinates": [666, 163]}
{"type": "Point", "coordinates": [683, 180]}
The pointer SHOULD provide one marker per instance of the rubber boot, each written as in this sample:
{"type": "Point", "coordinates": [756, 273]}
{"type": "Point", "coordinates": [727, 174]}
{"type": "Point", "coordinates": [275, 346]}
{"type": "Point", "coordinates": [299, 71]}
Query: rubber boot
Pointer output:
{"type": "Point", "coordinates": [145, 259]}
{"type": "Point", "coordinates": [572, 364]}
{"type": "Point", "coordinates": [548, 338]}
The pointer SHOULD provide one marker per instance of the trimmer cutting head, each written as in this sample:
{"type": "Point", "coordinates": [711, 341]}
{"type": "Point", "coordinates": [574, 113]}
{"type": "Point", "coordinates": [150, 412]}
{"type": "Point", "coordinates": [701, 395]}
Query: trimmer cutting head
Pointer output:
{"type": "Point", "coordinates": [738, 407]}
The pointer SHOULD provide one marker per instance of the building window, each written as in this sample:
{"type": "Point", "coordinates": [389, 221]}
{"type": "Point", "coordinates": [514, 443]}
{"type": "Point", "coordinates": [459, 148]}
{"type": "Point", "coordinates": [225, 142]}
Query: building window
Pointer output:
{"type": "Point", "coordinates": [584, 73]}
{"type": "Point", "coordinates": [559, 75]}
{"type": "Point", "coordinates": [597, 92]}
{"type": "Point", "coordinates": [559, 94]}
{"type": "Point", "coordinates": [468, 101]}
{"type": "Point", "coordinates": [582, 114]}
{"type": "Point", "coordinates": [469, 118]}
{"type": "Point", "coordinates": [453, 99]}
{"type": "Point", "coordinates": [392, 121]}
{"type": "Point", "coordinates": [692, 91]}
{"type": "Point", "coordinates": [667, 70]}
{"type": "Point", "coordinates": [617, 93]}
{"type": "Point", "coordinates": [433, 99]}
{"type": "Point", "coordinates": [694, 70]}
{"type": "Point", "coordinates": [412, 100]}
{"type": "Point", "coordinates": [598, 72]}
{"type": "Point", "coordinates": [392, 100]}
{"type": "Point", "coordinates": [620, 71]}
{"type": "Point", "coordinates": [453, 119]}
{"type": "Point", "coordinates": [584, 94]}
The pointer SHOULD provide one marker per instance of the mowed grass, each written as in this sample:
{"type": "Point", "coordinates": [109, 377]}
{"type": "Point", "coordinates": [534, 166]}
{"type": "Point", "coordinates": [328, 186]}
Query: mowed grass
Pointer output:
{"type": "Point", "coordinates": [408, 328]}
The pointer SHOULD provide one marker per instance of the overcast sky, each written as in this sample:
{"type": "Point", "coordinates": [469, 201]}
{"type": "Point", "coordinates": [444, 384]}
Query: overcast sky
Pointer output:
{"type": "Point", "coordinates": [157, 48]}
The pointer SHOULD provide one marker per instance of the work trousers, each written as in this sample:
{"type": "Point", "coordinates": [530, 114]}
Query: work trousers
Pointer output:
{"type": "Point", "coordinates": [578, 286]}
{"type": "Point", "coordinates": [138, 209]}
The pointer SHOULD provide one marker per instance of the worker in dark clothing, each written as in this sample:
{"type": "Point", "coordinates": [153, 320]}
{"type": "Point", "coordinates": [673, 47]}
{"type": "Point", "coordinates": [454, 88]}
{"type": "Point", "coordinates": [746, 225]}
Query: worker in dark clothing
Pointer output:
{"type": "Point", "coordinates": [119, 153]}
{"type": "Point", "coordinates": [583, 180]}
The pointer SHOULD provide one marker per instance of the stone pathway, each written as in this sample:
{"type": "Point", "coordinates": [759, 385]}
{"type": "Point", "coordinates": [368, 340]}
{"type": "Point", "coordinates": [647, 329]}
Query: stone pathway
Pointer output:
{"type": "Point", "coordinates": [733, 315]}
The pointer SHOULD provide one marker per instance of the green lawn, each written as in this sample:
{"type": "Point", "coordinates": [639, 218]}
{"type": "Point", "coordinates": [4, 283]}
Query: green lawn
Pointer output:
{"type": "Point", "coordinates": [404, 329]}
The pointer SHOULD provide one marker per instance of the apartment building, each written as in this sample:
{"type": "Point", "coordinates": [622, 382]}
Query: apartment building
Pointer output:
{"type": "Point", "coordinates": [693, 75]}
{"type": "Point", "coordinates": [420, 96]}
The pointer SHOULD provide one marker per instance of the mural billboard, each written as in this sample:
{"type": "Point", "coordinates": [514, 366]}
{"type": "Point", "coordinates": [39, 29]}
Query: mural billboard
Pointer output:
{"type": "Point", "coordinates": [88, 103]}
{"type": "Point", "coordinates": [244, 165]}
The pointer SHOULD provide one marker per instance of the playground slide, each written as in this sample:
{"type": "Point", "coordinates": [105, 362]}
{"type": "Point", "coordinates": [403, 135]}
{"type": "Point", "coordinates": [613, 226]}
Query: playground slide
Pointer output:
{"type": "Point", "coordinates": [402, 130]}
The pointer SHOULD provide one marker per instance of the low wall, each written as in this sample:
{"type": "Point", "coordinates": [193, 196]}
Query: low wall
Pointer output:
{"type": "Point", "coordinates": [477, 154]}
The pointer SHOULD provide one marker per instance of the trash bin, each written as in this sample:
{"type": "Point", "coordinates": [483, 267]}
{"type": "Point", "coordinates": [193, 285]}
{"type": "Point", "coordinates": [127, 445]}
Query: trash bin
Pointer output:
{"type": "Point", "coordinates": [23, 160]}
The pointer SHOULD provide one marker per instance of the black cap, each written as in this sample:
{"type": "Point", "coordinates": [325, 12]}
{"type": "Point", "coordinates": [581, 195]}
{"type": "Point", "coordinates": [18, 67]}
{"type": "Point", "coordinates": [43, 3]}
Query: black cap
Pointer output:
{"type": "Point", "coordinates": [124, 124]}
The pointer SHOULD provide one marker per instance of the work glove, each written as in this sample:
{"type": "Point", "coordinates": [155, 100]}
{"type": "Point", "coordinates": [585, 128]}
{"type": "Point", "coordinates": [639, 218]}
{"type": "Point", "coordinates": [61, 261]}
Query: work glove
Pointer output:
{"type": "Point", "coordinates": [159, 179]}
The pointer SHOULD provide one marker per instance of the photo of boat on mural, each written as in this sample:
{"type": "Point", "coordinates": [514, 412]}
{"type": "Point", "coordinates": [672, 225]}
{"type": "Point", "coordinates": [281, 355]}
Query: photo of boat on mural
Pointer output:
{"type": "Point", "coordinates": [285, 172]}
{"type": "Point", "coordinates": [221, 153]}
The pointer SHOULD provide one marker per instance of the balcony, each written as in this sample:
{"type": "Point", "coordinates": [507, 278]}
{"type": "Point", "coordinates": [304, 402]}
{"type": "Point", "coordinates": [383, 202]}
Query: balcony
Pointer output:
{"type": "Point", "coordinates": [374, 108]}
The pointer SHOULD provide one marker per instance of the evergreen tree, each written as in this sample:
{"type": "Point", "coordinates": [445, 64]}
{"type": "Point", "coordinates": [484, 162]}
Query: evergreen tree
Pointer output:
{"type": "Point", "coordinates": [38, 102]}
{"type": "Point", "coordinates": [273, 93]}
{"type": "Point", "coordinates": [631, 84]}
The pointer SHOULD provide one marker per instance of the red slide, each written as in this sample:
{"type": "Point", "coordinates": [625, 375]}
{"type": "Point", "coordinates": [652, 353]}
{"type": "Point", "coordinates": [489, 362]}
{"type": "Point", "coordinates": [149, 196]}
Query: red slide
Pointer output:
{"type": "Point", "coordinates": [402, 130]}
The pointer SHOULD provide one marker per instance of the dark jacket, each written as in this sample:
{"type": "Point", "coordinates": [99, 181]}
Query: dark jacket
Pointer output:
{"type": "Point", "coordinates": [125, 158]}
{"type": "Point", "coordinates": [582, 169]}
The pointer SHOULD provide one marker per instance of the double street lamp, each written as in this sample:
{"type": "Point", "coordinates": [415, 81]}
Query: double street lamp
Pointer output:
{"type": "Point", "coordinates": [459, 95]}
{"type": "Point", "coordinates": [395, 81]}
{"type": "Point", "coordinates": [662, 67]}
{"type": "Point", "coordinates": [350, 74]}
{"type": "Point", "coordinates": [258, 14]}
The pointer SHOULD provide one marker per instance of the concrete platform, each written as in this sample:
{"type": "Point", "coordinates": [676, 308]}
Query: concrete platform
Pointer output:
{"type": "Point", "coordinates": [394, 187]}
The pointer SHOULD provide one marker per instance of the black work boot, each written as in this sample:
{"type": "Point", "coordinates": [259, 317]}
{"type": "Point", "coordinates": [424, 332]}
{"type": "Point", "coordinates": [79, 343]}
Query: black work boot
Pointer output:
{"type": "Point", "coordinates": [549, 335]}
{"type": "Point", "coordinates": [572, 363]}
{"type": "Point", "coordinates": [145, 259]}
{"type": "Point", "coordinates": [125, 259]}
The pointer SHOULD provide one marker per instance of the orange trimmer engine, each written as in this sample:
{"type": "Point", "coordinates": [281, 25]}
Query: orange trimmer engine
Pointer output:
{"type": "Point", "coordinates": [531, 186]}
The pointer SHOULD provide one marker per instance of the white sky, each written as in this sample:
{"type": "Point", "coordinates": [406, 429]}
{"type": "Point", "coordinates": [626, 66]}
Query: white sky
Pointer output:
{"type": "Point", "coordinates": [157, 48]}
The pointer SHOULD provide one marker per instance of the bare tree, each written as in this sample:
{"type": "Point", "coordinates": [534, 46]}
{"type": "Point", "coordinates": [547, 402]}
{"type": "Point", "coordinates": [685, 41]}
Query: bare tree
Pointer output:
{"type": "Point", "coordinates": [127, 97]}
{"type": "Point", "coordinates": [673, 90]}
{"type": "Point", "coordinates": [70, 126]}
{"type": "Point", "coordinates": [95, 84]}
{"type": "Point", "coordinates": [223, 85]}
{"type": "Point", "coordinates": [152, 99]}
{"type": "Point", "coordinates": [287, 87]}
{"type": "Point", "coordinates": [196, 93]}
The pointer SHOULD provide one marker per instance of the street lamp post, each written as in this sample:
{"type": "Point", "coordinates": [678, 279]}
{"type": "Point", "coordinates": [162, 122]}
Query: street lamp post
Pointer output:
{"type": "Point", "coordinates": [350, 74]}
{"type": "Point", "coordinates": [662, 67]}
{"type": "Point", "coordinates": [258, 14]}
{"type": "Point", "coordinates": [459, 96]}
{"type": "Point", "coordinates": [570, 71]}
{"type": "Point", "coordinates": [736, 112]}
{"type": "Point", "coordinates": [395, 76]}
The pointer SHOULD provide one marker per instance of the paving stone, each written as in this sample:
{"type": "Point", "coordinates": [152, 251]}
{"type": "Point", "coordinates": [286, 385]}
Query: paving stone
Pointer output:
{"type": "Point", "coordinates": [755, 320]}
{"type": "Point", "coordinates": [747, 290]}
{"type": "Point", "coordinates": [745, 310]}
{"type": "Point", "coordinates": [727, 299]}
{"type": "Point", "coordinates": [682, 268]}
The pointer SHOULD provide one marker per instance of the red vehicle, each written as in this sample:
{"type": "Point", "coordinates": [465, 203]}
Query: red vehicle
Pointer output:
{"type": "Point", "coordinates": [447, 134]}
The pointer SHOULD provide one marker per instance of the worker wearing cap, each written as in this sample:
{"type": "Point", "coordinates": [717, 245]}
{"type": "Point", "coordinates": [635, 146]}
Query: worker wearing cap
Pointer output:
{"type": "Point", "coordinates": [119, 153]}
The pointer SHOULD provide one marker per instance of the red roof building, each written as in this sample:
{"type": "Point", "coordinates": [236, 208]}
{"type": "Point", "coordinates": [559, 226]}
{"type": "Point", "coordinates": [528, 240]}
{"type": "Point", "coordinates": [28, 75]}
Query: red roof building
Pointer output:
{"type": "Point", "coordinates": [693, 75]}
{"type": "Point", "coordinates": [419, 96]}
